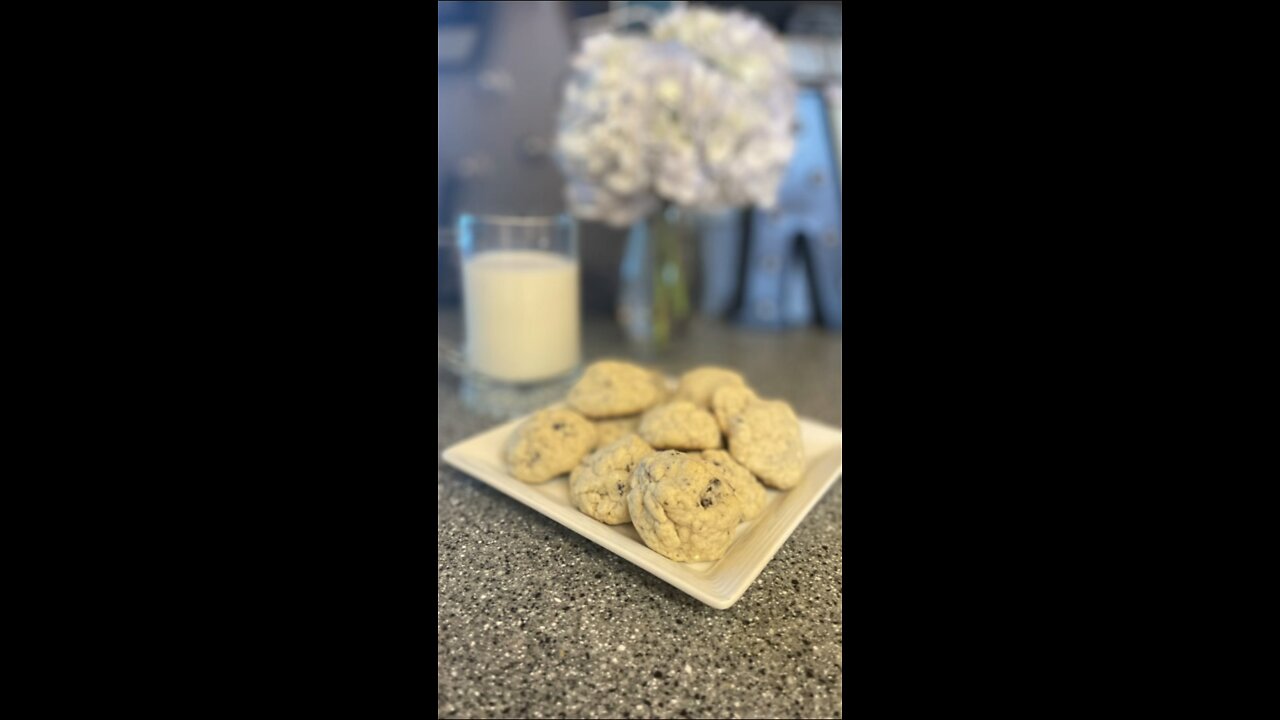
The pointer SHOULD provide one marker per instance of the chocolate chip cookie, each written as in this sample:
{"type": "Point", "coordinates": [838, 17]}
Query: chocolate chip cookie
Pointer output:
{"type": "Point", "coordinates": [611, 388]}
{"type": "Point", "coordinates": [744, 484]}
{"type": "Point", "coordinates": [765, 437]}
{"type": "Point", "coordinates": [550, 443]}
{"type": "Point", "coordinates": [699, 384]}
{"type": "Point", "coordinates": [599, 486]}
{"type": "Point", "coordinates": [728, 401]}
{"type": "Point", "coordinates": [681, 509]}
{"type": "Point", "coordinates": [680, 425]}
{"type": "Point", "coordinates": [609, 430]}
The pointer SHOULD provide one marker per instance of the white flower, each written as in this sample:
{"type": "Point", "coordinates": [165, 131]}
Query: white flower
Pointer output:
{"type": "Point", "coordinates": [700, 115]}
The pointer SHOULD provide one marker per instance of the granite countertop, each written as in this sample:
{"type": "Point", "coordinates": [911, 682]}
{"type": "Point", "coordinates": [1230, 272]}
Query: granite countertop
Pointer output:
{"type": "Point", "coordinates": [537, 621]}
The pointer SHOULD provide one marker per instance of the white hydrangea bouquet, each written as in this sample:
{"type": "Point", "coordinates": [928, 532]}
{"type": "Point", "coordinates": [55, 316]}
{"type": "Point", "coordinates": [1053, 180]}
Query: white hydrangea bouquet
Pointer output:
{"type": "Point", "coordinates": [697, 113]}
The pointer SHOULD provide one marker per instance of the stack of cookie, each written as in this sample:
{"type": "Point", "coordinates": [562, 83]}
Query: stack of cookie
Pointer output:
{"type": "Point", "coordinates": [637, 455]}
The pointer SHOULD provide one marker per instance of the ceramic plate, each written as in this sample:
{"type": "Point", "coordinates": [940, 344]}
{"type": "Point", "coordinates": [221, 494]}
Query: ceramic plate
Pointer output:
{"type": "Point", "coordinates": [718, 584]}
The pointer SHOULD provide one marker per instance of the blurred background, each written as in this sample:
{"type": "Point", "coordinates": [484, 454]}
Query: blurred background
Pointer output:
{"type": "Point", "coordinates": [501, 76]}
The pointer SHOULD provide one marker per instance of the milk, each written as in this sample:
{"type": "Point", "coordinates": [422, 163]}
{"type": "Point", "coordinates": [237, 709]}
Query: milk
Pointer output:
{"type": "Point", "coordinates": [522, 314]}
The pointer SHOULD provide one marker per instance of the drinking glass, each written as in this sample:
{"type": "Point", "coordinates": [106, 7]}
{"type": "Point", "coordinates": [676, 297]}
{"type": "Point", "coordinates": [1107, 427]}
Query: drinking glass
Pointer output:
{"type": "Point", "coordinates": [520, 298]}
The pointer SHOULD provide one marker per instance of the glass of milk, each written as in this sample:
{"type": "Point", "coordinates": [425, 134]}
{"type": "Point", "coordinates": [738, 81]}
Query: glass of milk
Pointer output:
{"type": "Point", "coordinates": [520, 297]}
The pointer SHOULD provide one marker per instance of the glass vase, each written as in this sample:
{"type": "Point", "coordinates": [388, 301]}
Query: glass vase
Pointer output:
{"type": "Point", "coordinates": [654, 294]}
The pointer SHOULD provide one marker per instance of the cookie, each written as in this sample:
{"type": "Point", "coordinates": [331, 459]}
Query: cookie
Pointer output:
{"type": "Point", "coordinates": [550, 443]}
{"type": "Point", "coordinates": [765, 437]}
{"type": "Point", "coordinates": [680, 425]}
{"type": "Point", "coordinates": [611, 388]}
{"type": "Point", "coordinates": [681, 509]}
{"type": "Point", "coordinates": [660, 387]}
{"type": "Point", "coordinates": [609, 430]}
{"type": "Point", "coordinates": [598, 487]}
{"type": "Point", "coordinates": [744, 484]}
{"type": "Point", "coordinates": [699, 384]}
{"type": "Point", "coordinates": [728, 401]}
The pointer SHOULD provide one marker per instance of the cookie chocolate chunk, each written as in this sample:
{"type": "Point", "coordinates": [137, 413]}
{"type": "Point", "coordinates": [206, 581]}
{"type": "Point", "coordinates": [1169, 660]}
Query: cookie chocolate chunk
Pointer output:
{"type": "Point", "coordinates": [598, 487]}
{"type": "Point", "coordinates": [550, 443]}
{"type": "Point", "coordinates": [611, 388]}
{"type": "Point", "coordinates": [681, 509]}
{"type": "Point", "coordinates": [680, 425]}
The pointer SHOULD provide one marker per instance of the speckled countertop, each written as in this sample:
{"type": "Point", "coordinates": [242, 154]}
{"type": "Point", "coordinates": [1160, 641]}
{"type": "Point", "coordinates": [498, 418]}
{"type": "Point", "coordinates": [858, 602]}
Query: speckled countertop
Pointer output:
{"type": "Point", "coordinates": [537, 621]}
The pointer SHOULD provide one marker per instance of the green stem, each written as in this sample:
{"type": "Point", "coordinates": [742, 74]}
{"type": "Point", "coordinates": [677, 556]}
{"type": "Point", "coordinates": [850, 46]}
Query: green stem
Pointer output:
{"type": "Point", "coordinates": [670, 281]}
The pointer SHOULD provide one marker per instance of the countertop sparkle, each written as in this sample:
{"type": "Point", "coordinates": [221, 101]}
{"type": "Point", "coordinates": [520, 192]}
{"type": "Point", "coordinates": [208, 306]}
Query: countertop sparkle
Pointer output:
{"type": "Point", "coordinates": [536, 621]}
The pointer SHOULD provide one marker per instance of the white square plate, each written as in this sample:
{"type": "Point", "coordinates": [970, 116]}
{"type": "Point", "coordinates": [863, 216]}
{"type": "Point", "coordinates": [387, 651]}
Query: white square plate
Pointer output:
{"type": "Point", "coordinates": [718, 584]}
